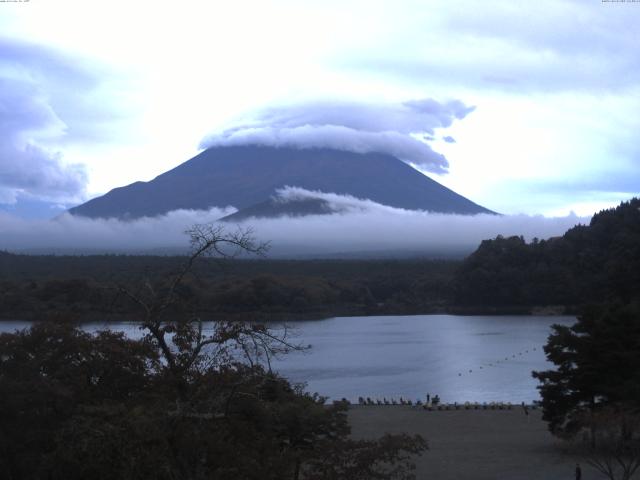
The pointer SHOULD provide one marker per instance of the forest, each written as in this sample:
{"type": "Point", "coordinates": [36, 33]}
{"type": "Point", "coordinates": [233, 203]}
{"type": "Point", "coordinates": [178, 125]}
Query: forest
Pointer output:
{"type": "Point", "coordinates": [598, 262]}
{"type": "Point", "coordinates": [86, 287]}
{"type": "Point", "coordinates": [594, 263]}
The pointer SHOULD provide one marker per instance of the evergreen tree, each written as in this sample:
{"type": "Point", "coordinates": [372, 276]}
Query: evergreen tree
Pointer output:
{"type": "Point", "coordinates": [597, 365]}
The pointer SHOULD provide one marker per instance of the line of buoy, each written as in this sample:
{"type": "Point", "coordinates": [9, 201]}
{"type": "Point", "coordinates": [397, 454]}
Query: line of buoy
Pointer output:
{"type": "Point", "coordinates": [497, 362]}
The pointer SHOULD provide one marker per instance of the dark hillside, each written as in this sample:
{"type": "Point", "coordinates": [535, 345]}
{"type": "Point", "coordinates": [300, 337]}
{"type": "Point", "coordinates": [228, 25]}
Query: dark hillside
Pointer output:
{"type": "Point", "coordinates": [590, 263]}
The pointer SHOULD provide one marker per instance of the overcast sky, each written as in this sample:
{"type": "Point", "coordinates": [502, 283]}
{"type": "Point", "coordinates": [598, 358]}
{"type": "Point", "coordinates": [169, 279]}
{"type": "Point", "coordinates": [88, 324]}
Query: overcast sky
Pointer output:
{"type": "Point", "coordinates": [523, 107]}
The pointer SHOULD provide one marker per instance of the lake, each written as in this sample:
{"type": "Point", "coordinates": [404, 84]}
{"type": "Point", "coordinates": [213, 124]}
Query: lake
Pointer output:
{"type": "Point", "coordinates": [461, 358]}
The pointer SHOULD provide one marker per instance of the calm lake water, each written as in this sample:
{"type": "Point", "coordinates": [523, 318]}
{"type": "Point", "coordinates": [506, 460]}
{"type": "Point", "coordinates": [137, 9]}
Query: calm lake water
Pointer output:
{"type": "Point", "coordinates": [460, 358]}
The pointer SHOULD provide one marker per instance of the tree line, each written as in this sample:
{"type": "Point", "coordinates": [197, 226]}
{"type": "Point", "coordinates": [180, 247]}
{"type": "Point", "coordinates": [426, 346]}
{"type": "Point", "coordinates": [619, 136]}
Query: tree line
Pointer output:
{"type": "Point", "coordinates": [31, 287]}
{"type": "Point", "coordinates": [599, 262]}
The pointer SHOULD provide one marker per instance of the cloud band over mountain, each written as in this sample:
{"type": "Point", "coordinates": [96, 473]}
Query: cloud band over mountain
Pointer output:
{"type": "Point", "coordinates": [399, 129]}
{"type": "Point", "coordinates": [362, 226]}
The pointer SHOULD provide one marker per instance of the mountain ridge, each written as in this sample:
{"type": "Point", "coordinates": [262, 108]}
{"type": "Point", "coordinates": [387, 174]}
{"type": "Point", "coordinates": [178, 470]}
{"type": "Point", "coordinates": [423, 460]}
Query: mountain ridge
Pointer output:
{"type": "Point", "coordinates": [245, 176]}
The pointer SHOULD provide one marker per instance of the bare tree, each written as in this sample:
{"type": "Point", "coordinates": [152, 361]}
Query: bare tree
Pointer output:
{"type": "Point", "coordinates": [214, 390]}
{"type": "Point", "coordinates": [185, 347]}
{"type": "Point", "coordinates": [179, 404]}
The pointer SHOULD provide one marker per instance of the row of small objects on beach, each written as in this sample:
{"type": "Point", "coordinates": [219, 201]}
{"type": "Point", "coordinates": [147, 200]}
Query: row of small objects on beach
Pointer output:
{"type": "Point", "coordinates": [435, 404]}
{"type": "Point", "coordinates": [393, 401]}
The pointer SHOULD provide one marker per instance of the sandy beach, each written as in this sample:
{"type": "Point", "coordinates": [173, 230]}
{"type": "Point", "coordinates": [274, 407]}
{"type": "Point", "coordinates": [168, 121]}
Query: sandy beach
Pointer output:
{"type": "Point", "coordinates": [475, 444]}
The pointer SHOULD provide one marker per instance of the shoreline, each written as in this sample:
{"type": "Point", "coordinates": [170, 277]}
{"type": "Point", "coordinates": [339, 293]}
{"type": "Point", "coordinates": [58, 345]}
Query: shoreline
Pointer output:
{"type": "Point", "coordinates": [105, 317]}
{"type": "Point", "coordinates": [455, 406]}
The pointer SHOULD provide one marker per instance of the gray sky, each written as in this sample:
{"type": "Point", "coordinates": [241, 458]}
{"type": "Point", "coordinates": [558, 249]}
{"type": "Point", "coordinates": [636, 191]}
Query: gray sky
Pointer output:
{"type": "Point", "coordinates": [523, 107]}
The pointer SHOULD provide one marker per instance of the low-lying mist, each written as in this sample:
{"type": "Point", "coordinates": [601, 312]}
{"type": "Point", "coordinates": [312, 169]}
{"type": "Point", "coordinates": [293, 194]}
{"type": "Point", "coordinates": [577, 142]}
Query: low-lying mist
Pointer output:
{"type": "Point", "coordinates": [361, 228]}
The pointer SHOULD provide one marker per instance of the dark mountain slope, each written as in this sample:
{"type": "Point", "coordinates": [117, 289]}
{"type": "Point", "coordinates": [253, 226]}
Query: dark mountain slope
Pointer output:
{"type": "Point", "coordinates": [248, 175]}
{"type": "Point", "coordinates": [273, 208]}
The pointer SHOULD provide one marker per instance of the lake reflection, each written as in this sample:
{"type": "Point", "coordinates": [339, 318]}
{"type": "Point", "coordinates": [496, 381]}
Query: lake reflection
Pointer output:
{"type": "Point", "coordinates": [460, 358]}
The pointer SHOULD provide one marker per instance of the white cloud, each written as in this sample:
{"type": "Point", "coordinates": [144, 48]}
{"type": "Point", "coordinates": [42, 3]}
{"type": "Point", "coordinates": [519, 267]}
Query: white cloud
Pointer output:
{"type": "Point", "coordinates": [336, 202]}
{"type": "Point", "coordinates": [363, 226]}
{"type": "Point", "coordinates": [81, 233]}
{"type": "Point", "coordinates": [396, 129]}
